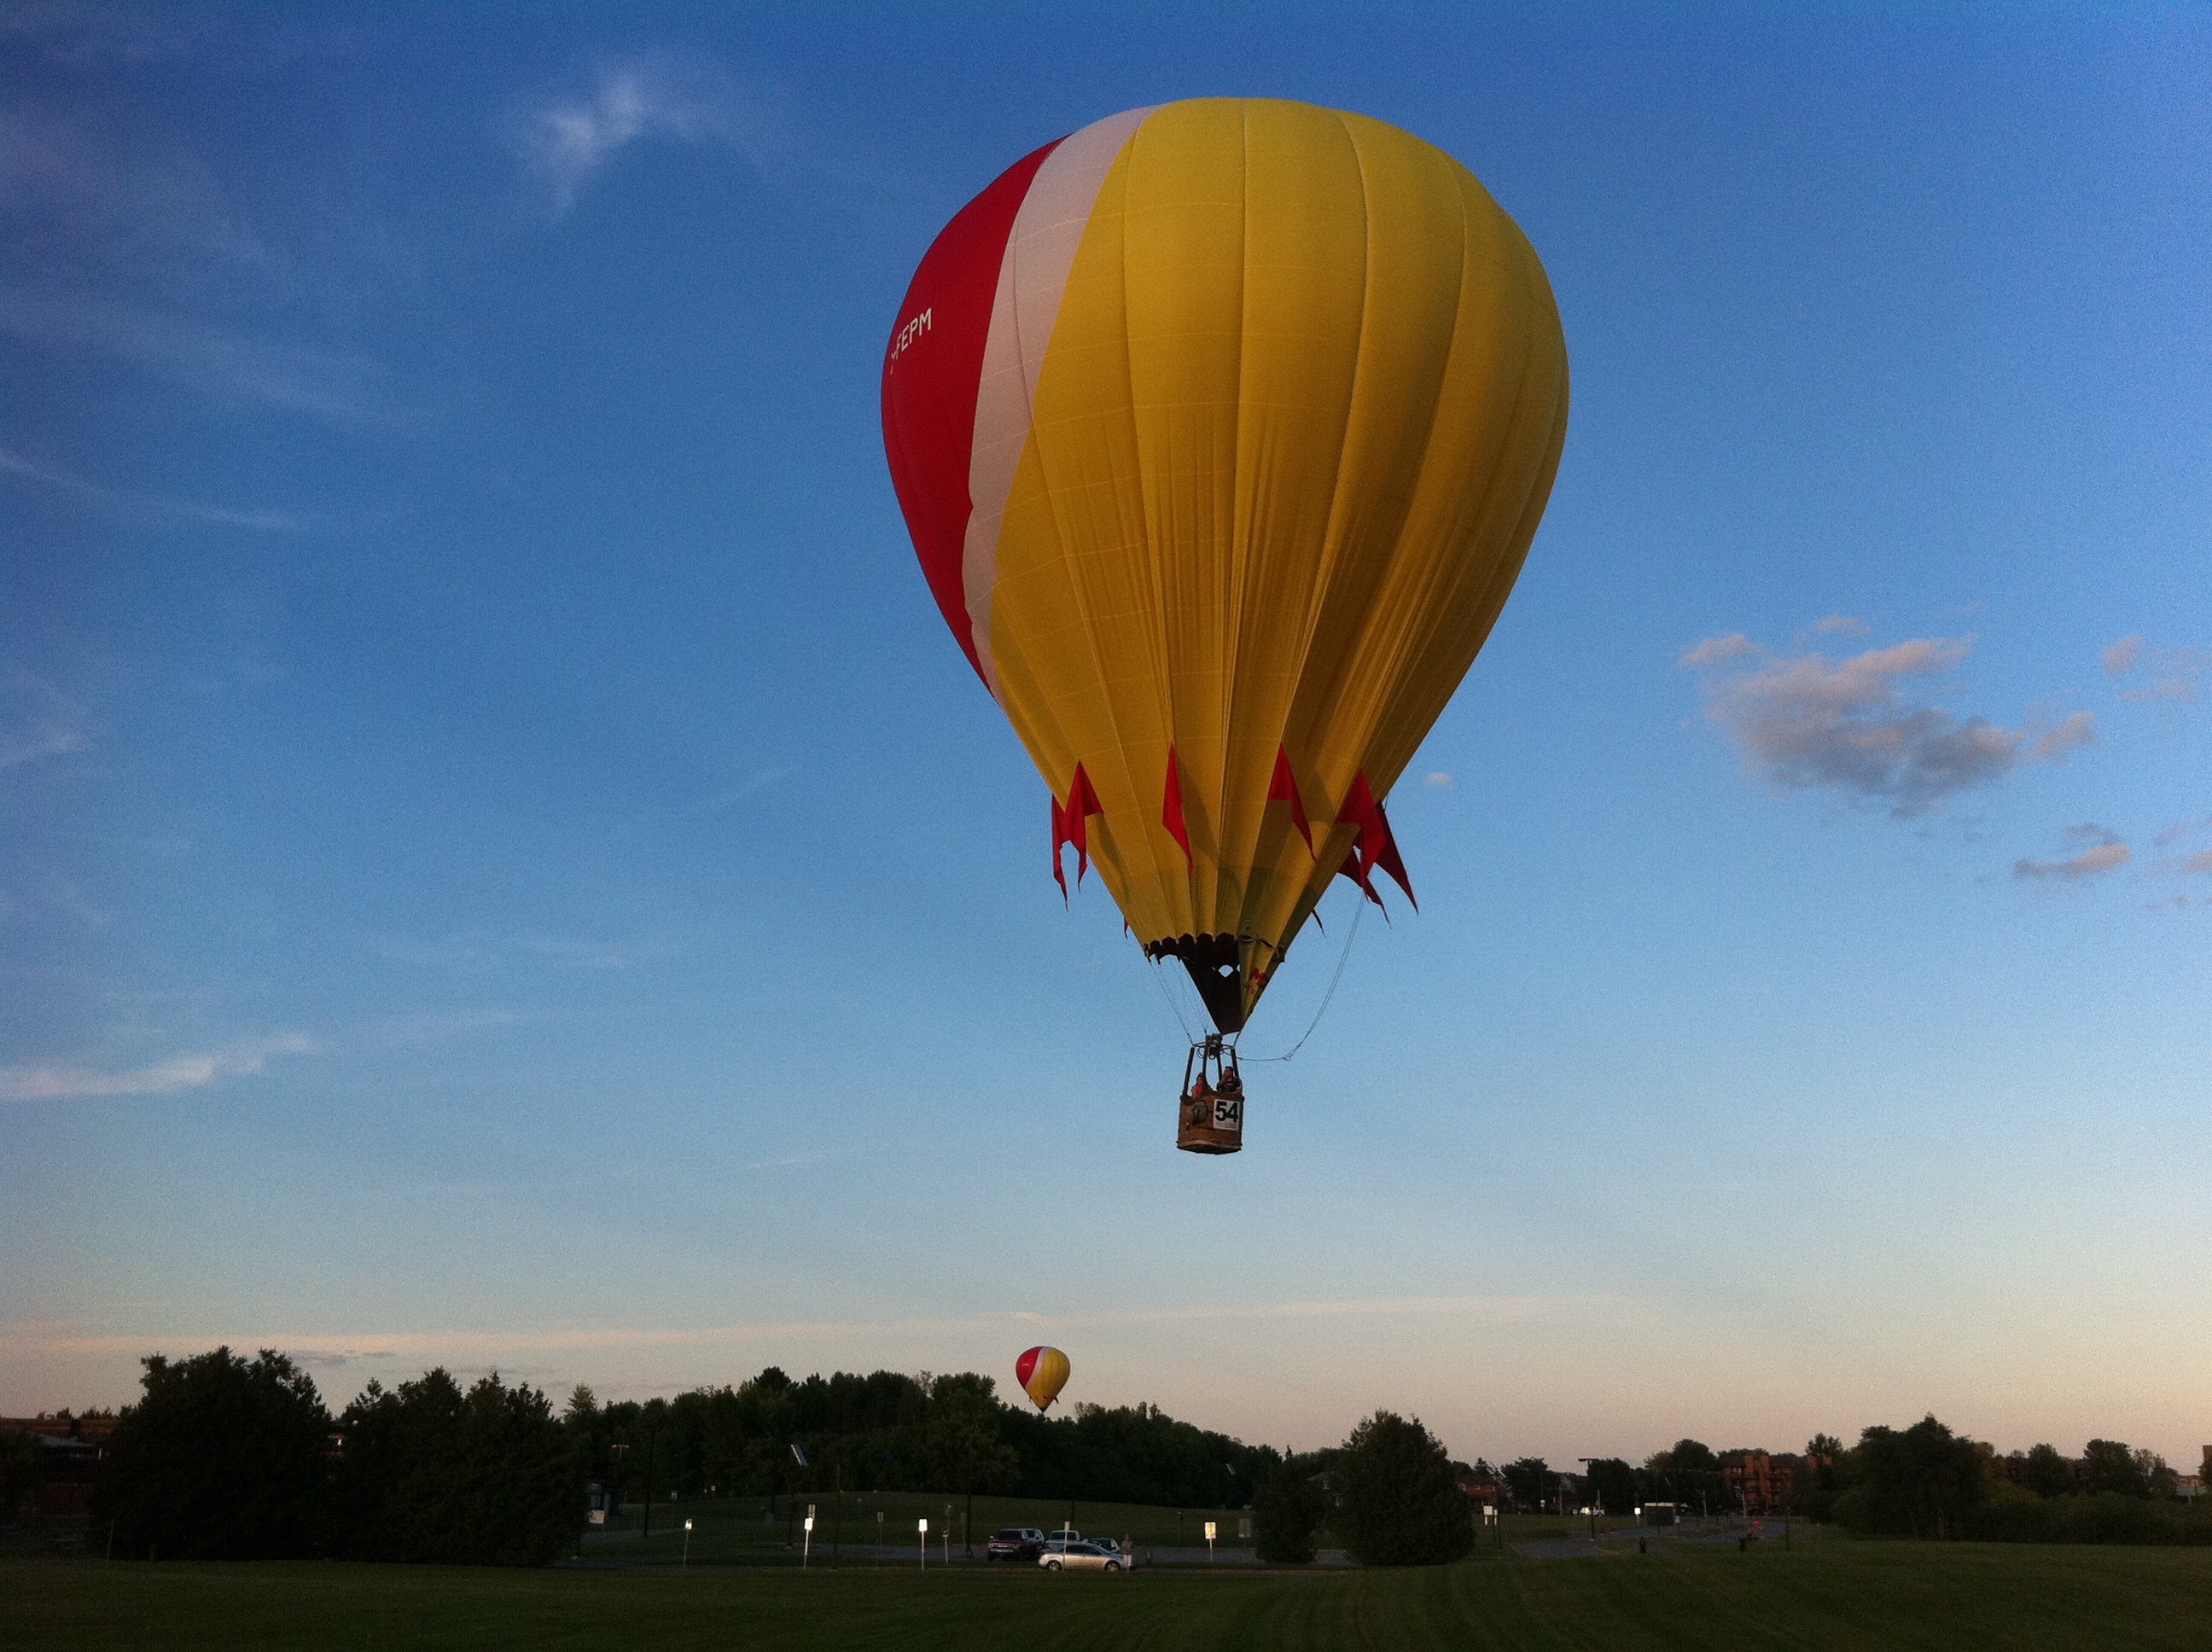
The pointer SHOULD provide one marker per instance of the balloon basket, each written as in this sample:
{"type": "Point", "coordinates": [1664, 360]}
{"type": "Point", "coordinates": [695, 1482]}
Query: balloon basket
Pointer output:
{"type": "Point", "coordinates": [1209, 1108]}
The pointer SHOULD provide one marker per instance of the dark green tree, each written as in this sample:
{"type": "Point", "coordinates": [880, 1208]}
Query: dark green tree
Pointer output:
{"type": "Point", "coordinates": [1287, 1512]}
{"type": "Point", "coordinates": [1816, 1489]}
{"type": "Point", "coordinates": [2111, 1466]}
{"type": "Point", "coordinates": [1398, 1505]}
{"type": "Point", "coordinates": [430, 1474]}
{"type": "Point", "coordinates": [1612, 1483]}
{"type": "Point", "coordinates": [2046, 1474]}
{"type": "Point", "coordinates": [1528, 1482]}
{"type": "Point", "coordinates": [962, 1446]}
{"type": "Point", "coordinates": [221, 1459]}
{"type": "Point", "coordinates": [21, 1472]}
{"type": "Point", "coordinates": [1688, 1473]}
{"type": "Point", "coordinates": [1921, 1481]}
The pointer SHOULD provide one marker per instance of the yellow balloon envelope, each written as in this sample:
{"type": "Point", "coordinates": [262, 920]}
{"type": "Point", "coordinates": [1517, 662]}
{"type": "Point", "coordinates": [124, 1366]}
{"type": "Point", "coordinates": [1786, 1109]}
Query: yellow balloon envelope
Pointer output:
{"type": "Point", "coordinates": [1222, 428]}
{"type": "Point", "coordinates": [1042, 1373]}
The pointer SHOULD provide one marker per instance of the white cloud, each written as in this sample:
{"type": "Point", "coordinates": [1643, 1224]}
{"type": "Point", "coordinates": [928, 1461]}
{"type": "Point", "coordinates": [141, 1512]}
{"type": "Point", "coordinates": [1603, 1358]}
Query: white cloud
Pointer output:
{"type": "Point", "coordinates": [1842, 625]}
{"type": "Point", "coordinates": [564, 141]}
{"type": "Point", "coordinates": [2105, 857]}
{"type": "Point", "coordinates": [1803, 722]}
{"type": "Point", "coordinates": [37, 720]}
{"type": "Point", "coordinates": [760, 779]}
{"type": "Point", "coordinates": [38, 1084]}
{"type": "Point", "coordinates": [2199, 862]}
{"type": "Point", "coordinates": [145, 504]}
{"type": "Point", "coordinates": [143, 259]}
{"type": "Point", "coordinates": [474, 951]}
{"type": "Point", "coordinates": [2174, 672]}
{"type": "Point", "coordinates": [1438, 779]}
{"type": "Point", "coordinates": [54, 1337]}
{"type": "Point", "coordinates": [1714, 651]}
{"type": "Point", "coordinates": [222, 365]}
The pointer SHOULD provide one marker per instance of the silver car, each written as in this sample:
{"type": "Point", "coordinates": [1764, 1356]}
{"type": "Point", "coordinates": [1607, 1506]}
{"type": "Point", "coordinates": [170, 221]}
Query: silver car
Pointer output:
{"type": "Point", "coordinates": [1081, 1557]}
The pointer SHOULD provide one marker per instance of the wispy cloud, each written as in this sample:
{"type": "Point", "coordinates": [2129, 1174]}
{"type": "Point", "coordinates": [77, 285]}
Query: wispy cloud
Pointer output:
{"type": "Point", "coordinates": [141, 257]}
{"type": "Point", "coordinates": [224, 365]}
{"type": "Point", "coordinates": [2172, 672]}
{"type": "Point", "coordinates": [2173, 675]}
{"type": "Point", "coordinates": [146, 504]}
{"type": "Point", "coordinates": [57, 1339]}
{"type": "Point", "coordinates": [564, 139]}
{"type": "Point", "coordinates": [61, 1081]}
{"type": "Point", "coordinates": [1802, 722]}
{"type": "Point", "coordinates": [1714, 651]}
{"type": "Point", "coordinates": [759, 781]}
{"type": "Point", "coordinates": [473, 951]}
{"type": "Point", "coordinates": [81, 35]}
{"type": "Point", "coordinates": [1438, 779]}
{"type": "Point", "coordinates": [2105, 852]}
{"type": "Point", "coordinates": [1842, 625]}
{"type": "Point", "coordinates": [38, 719]}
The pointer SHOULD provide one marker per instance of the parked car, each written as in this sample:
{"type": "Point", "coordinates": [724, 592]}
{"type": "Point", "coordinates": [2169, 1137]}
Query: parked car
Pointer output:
{"type": "Point", "coordinates": [1079, 1557]}
{"type": "Point", "coordinates": [1015, 1543]}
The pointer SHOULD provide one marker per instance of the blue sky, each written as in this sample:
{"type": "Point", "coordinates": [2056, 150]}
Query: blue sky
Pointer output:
{"type": "Point", "coordinates": [505, 866]}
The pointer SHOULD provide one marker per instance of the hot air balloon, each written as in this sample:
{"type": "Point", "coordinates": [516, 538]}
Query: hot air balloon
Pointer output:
{"type": "Point", "coordinates": [1222, 428]}
{"type": "Point", "coordinates": [1042, 1372]}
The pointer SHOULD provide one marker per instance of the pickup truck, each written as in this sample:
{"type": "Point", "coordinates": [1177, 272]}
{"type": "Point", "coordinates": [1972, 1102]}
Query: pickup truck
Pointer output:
{"type": "Point", "coordinates": [1015, 1543]}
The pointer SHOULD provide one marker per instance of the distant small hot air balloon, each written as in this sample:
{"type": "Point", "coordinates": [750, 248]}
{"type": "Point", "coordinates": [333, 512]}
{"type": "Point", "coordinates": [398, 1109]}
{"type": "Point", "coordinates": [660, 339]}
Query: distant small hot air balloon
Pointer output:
{"type": "Point", "coordinates": [1042, 1372]}
{"type": "Point", "coordinates": [1222, 428]}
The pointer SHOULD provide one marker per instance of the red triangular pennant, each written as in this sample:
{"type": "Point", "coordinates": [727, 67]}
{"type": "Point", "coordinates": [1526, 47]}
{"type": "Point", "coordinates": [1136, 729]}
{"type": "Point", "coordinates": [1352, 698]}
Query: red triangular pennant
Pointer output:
{"type": "Point", "coordinates": [1284, 788]}
{"type": "Point", "coordinates": [1081, 804]}
{"type": "Point", "coordinates": [1171, 812]}
{"type": "Point", "coordinates": [1059, 837]}
{"type": "Point", "coordinates": [1375, 845]}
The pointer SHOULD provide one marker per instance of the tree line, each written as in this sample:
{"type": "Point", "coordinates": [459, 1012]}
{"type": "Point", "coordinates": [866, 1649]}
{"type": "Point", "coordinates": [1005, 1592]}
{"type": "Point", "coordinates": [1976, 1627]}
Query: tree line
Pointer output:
{"type": "Point", "coordinates": [224, 1457]}
{"type": "Point", "coordinates": [1921, 1481]}
{"type": "Point", "coordinates": [1926, 1481]}
{"type": "Point", "coordinates": [890, 1431]}
{"type": "Point", "coordinates": [227, 1457]}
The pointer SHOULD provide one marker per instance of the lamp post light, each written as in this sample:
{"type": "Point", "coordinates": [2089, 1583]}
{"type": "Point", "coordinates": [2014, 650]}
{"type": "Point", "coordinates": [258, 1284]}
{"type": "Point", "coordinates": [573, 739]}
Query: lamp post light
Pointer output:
{"type": "Point", "coordinates": [807, 1544]}
{"type": "Point", "coordinates": [687, 1544]}
{"type": "Point", "coordinates": [922, 1529]}
{"type": "Point", "coordinates": [1590, 1490]}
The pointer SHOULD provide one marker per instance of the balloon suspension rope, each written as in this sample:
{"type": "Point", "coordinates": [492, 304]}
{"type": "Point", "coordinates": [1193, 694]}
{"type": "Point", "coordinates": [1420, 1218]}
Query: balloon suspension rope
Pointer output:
{"type": "Point", "coordinates": [1342, 958]}
{"type": "Point", "coordinates": [1174, 1008]}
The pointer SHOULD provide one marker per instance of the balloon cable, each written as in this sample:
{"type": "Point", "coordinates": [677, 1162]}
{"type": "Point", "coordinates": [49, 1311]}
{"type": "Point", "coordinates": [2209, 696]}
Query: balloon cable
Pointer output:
{"type": "Point", "coordinates": [1342, 958]}
{"type": "Point", "coordinates": [1174, 1008]}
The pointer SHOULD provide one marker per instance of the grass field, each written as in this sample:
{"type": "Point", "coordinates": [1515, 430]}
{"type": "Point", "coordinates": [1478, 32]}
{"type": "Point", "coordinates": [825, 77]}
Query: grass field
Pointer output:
{"type": "Point", "coordinates": [738, 1529]}
{"type": "Point", "coordinates": [1833, 1593]}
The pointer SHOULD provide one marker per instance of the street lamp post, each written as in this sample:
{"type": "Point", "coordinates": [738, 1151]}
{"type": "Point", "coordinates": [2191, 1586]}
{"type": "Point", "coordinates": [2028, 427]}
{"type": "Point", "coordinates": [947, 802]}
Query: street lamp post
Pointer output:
{"type": "Point", "coordinates": [687, 1544]}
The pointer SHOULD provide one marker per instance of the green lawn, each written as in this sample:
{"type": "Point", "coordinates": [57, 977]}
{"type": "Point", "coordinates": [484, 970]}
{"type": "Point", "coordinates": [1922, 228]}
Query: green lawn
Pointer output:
{"type": "Point", "coordinates": [738, 1529]}
{"type": "Point", "coordinates": [735, 1528]}
{"type": "Point", "coordinates": [1832, 1594]}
